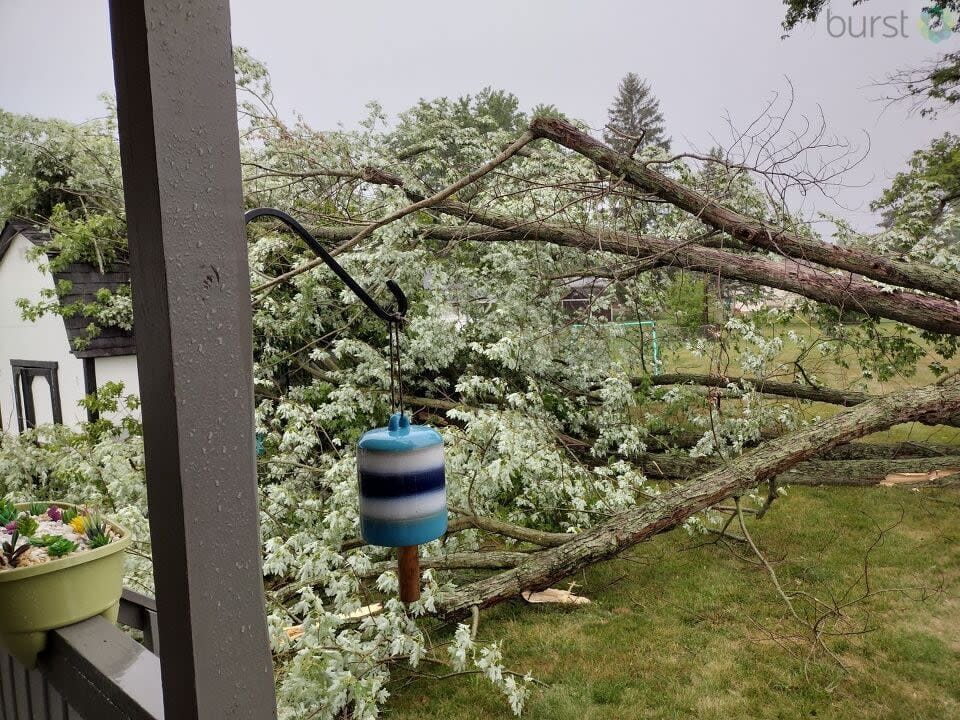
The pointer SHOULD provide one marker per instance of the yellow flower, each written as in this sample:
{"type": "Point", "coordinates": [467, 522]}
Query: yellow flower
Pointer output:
{"type": "Point", "coordinates": [79, 524]}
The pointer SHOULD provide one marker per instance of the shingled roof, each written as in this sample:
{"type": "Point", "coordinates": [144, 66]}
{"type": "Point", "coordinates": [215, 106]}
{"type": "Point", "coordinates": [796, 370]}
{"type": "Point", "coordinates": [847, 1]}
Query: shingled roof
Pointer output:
{"type": "Point", "coordinates": [85, 281]}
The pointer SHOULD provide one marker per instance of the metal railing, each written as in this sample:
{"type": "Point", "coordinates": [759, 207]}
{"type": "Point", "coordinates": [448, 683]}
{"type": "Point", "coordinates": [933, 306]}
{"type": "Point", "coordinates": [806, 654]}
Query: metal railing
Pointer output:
{"type": "Point", "coordinates": [90, 670]}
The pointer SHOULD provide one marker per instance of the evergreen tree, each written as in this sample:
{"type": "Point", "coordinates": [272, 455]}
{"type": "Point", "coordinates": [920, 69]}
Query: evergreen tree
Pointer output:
{"type": "Point", "coordinates": [635, 112]}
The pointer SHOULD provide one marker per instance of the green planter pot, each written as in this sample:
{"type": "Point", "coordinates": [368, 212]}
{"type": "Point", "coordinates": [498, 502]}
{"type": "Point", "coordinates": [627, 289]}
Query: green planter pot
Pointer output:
{"type": "Point", "coordinates": [58, 593]}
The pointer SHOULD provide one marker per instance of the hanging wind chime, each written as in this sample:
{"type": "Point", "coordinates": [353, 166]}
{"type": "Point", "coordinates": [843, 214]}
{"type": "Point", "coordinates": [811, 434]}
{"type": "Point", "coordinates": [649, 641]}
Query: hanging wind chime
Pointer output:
{"type": "Point", "coordinates": [400, 467]}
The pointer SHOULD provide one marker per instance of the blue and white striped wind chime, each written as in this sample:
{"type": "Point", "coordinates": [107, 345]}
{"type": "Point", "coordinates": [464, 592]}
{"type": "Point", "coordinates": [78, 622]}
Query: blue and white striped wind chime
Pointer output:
{"type": "Point", "coordinates": [403, 495]}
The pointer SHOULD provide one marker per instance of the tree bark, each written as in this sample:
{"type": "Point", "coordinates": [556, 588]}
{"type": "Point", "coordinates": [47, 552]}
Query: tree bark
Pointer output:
{"type": "Point", "coordinates": [810, 472]}
{"type": "Point", "coordinates": [490, 560]}
{"type": "Point", "coordinates": [860, 473]}
{"type": "Point", "coordinates": [668, 510]}
{"type": "Point", "coordinates": [888, 451]}
{"type": "Point", "coordinates": [919, 276]}
{"type": "Point", "coordinates": [516, 532]}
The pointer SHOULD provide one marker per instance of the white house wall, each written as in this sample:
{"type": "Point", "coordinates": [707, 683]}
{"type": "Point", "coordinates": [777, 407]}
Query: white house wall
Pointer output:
{"type": "Point", "coordinates": [44, 340]}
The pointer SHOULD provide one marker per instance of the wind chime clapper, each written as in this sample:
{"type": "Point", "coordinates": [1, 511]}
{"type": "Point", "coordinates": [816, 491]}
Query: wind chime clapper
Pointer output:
{"type": "Point", "coordinates": [400, 467]}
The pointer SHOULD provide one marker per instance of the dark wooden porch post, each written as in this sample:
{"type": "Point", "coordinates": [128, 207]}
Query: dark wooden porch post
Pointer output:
{"type": "Point", "coordinates": [181, 169]}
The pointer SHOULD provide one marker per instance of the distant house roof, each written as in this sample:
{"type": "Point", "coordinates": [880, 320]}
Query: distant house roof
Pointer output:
{"type": "Point", "coordinates": [85, 281]}
{"type": "Point", "coordinates": [585, 288]}
{"type": "Point", "coordinates": [12, 228]}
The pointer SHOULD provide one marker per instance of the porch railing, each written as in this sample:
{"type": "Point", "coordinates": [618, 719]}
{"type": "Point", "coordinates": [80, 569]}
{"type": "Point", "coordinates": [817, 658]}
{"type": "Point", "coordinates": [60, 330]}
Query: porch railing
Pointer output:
{"type": "Point", "coordinates": [90, 671]}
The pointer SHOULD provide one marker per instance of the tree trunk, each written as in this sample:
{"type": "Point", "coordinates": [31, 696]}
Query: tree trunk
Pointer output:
{"type": "Point", "coordinates": [861, 472]}
{"type": "Point", "coordinates": [810, 472]}
{"type": "Point", "coordinates": [846, 398]}
{"type": "Point", "coordinates": [668, 510]}
{"type": "Point", "coordinates": [841, 291]}
{"type": "Point", "coordinates": [889, 451]}
{"type": "Point", "coordinates": [919, 276]}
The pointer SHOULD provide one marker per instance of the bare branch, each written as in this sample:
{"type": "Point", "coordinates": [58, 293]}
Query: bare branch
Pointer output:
{"type": "Point", "coordinates": [435, 199]}
{"type": "Point", "coordinates": [915, 275]}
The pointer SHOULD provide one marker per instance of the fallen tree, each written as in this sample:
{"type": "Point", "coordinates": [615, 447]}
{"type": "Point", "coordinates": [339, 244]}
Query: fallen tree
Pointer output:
{"type": "Point", "coordinates": [833, 396]}
{"type": "Point", "coordinates": [844, 292]}
{"type": "Point", "coordinates": [799, 391]}
{"type": "Point", "coordinates": [916, 275]}
{"type": "Point", "coordinates": [667, 511]}
{"type": "Point", "coordinates": [486, 221]}
{"type": "Point", "coordinates": [809, 472]}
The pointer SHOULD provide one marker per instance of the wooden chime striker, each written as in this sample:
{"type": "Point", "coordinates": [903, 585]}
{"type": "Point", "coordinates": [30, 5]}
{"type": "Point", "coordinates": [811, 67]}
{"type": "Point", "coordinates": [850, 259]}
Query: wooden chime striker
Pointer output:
{"type": "Point", "coordinates": [403, 494]}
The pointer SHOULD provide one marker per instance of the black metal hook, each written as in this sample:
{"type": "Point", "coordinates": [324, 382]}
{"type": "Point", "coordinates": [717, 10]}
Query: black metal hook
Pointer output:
{"type": "Point", "coordinates": [311, 241]}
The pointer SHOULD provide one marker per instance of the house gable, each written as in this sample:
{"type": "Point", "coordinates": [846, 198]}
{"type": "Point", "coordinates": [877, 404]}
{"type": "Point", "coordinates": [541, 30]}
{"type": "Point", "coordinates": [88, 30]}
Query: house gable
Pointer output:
{"type": "Point", "coordinates": [85, 281]}
{"type": "Point", "coordinates": [27, 347]}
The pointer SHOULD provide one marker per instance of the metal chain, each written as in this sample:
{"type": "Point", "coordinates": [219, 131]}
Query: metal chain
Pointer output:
{"type": "Point", "coordinates": [396, 371]}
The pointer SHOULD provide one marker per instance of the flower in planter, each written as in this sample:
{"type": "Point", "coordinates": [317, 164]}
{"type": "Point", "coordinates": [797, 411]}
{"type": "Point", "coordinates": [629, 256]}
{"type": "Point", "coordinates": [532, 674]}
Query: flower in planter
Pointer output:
{"type": "Point", "coordinates": [47, 532]}
{"type": "Point", "coordinates": [55, 563]}
{"type": "Point", "coordinates": [79, 524]}
{"type": "Point", "coordinates": [96, 531]}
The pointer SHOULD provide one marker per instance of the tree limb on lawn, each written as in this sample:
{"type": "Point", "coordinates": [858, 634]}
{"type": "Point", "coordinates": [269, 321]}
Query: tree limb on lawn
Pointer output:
{"type": "Point", "coordinates": [516, 532]}
{"type": "Point", "coordinates": [846, 398]}
{"type": "Point", "coordinates": [667, 511]}
{"type": "Point", "coordinates": [861, 473]}
{"type": "Point", "coordinates": [489, 560]}
{"type": "Point", "coordinates": [809, 472]}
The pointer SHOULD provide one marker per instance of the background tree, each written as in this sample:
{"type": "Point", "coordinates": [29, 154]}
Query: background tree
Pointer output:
{"type": "Point", "coordinates": [635, 113]}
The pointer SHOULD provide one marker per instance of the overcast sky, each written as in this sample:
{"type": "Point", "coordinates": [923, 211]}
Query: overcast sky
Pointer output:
{"type": "Point", "coordinates": [328, 59]}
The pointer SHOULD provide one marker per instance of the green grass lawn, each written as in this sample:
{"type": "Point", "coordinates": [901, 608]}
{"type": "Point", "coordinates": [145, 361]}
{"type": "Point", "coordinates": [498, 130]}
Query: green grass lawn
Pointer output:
{"type": "Point", "coordinates": [683, 629]}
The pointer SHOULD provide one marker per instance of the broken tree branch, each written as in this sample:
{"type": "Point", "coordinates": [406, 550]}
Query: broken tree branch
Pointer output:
{"type": "Point", "coordinates": [846, 398]}
{"type": "Point", "coordinates": [915, 275]}
{"type": "Point", "coordinates": [842, 291]}
{"type": "Point", "coordinates": [809, 472]}
{"type": "Point", "coordinates": [516, 532]}
{"type": "Point", "coordinates": [673, 507]}
{"type": "Point", "coordinates": [488, 560]}
{"type": "Point", "coordinates": [439, 197]}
